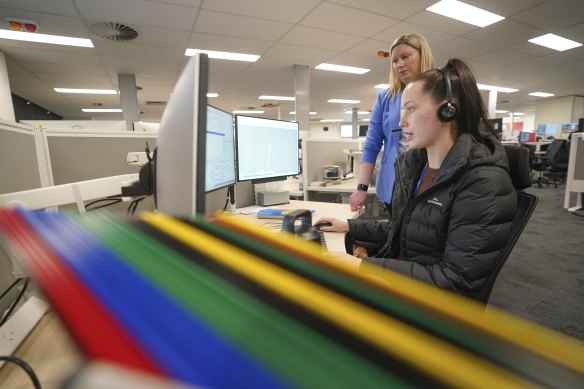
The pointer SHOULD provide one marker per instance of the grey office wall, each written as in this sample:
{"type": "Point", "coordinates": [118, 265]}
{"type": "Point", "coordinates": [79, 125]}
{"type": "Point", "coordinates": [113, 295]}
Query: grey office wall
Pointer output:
{"type": "Point", "coordinates": [19, 169]}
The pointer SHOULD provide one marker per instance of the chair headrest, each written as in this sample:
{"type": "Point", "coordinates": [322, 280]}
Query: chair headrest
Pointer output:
{"type": "Point", "coordinates": [518, 158]}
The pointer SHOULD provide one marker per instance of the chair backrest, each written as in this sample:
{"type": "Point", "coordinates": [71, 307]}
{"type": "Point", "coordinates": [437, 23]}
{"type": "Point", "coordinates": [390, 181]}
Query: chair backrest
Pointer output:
{"type": "Point", "coordinates": [519, 170]}
{"type": "Point", "coordinates": [518, 158]}
{"type": "Point", "coordinates": [558, 152]}
{"type": "Point", "coordinates": [525, 205]}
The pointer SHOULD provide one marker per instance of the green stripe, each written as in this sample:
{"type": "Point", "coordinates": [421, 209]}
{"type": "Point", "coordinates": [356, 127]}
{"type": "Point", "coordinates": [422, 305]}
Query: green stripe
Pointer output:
{"type": "Point", "coordinates": [301, 355]}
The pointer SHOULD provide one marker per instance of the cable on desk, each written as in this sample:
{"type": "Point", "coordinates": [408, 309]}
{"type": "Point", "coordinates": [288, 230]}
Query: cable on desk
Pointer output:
{"type": "Point", "coordinates": [15, 303]}
{"type": "Point", "coordinates": [134, 205]}
{"type": "Point", "coordinates": [26, 367]}
{"type": "Point", "coordinates": [112, 200]}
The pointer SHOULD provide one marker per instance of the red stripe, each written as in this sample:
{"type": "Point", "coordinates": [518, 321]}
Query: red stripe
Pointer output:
{"type": "Point", "coordinates": [96, 331]}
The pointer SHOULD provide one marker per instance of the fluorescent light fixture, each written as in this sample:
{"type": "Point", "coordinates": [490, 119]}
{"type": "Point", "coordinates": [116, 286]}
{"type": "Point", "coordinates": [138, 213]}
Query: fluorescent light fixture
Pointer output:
{"type": "Point", "coordinates": [500, 111]}
{"type": "Point", "coordinates": [465, 13]}
{"type": "Point", "coordinates": [343, 101]}
{"type": "Point", "coordinates": [283, 98]}
{"type": "Point", "coordinates": [341, 68]}
{"type": "Point", "coordinates": [244, 111]}
{"type": "Point", "coordinates": [331, 120]}
{"type": "Point", "coordinates": [364, 120]}
{"type": "Point", "coordinates": [541, 94]}
{"type": "Point", "coordinates": [102, 110]}
{"type": "Point", "coordinates": [310, 113]}
{"type": "Point", "coordinates": [359, 112]}
{"type": "Point", "coordinates": [382, 86]}
{"type": "Point", "coordinates": [210, 94]}
{"type": "Point", "coordinates": [224, 55]}
{"type": "Point", "coordinates": [555, 42]}
{"type": "Point", "coordinates": [496, 88]}
{"type": "Point", "coordinates": [44, 38]}
{"type": "Point", "coordinates": [90, 91]}
{"type": "Point", "coordinates": [518, 113]}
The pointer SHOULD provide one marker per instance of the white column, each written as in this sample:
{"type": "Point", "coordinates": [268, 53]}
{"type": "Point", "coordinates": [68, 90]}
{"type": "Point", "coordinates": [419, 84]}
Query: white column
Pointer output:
{"type": "Point", "coordinates": [492, 103]}
{"type": "Point", "coordinates": [302, 98]}
{"type": "Point", "coordinates": [129, 99]}
{"type": "Point", "coordinates": [355, 123]}
{"type": "Point", "coordinates": [6, 107]}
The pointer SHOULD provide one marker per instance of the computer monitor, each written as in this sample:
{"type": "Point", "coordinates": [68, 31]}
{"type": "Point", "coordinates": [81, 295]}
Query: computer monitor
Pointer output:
{"type": "Point", "coordinates": [267, 149]}
{"type": "Point", "coordinates": [220, 161]}
{"type": "Point", "coordinates": [363, 128]}
{"type": "Point", "coordinates": [524, 136]}
{"type": "Point", "coordinates": [346, 131]}
{"type": "Point", "coordinates": [569, 127]}
{"type": "Point", "coordinates": [547, 129]}
{"type": "Point", "coordinates": [180, 167]}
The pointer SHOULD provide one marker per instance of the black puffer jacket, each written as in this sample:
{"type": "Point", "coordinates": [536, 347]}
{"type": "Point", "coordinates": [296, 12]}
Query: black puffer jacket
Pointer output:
{"type": "Point", "coordinates": [450, 235]}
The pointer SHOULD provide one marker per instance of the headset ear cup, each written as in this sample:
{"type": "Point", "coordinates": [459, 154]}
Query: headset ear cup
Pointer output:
{"type": "Point", "coordinates": [447, 112]}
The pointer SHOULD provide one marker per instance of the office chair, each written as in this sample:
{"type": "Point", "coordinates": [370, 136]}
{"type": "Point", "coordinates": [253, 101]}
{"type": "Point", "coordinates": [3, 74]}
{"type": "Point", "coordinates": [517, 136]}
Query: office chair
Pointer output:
{"type": "Point", "coordinates": [519, 170]}
{"type": "Point", "coordinates": [556, 161]}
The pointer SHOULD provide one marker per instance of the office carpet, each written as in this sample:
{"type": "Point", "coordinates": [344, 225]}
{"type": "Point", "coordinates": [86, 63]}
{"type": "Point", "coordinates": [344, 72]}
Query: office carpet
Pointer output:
{"type": "Point", "coordinates": [543, 279]}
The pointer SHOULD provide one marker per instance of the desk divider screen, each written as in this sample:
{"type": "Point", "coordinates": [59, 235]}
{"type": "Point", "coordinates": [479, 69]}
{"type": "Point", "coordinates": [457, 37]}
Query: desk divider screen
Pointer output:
{"type": "Point", "coordinates": [222, 303]}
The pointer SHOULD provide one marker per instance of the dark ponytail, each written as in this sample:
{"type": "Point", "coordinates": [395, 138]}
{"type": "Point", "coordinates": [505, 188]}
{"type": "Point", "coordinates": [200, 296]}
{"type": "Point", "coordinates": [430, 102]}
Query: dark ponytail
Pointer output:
{"type": "Point", "coordinates": [472, 114]}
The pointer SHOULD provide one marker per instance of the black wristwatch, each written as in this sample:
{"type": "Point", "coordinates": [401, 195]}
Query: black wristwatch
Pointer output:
{"type": "Point", "coordinates": [362, 187]}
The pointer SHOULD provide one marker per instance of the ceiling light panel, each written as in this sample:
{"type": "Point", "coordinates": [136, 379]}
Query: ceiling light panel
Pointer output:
{"type": "Point", "coordinates": [103, 110]}
{"type": "Point", "coordinates": [44, 38]}
{"type": "Point", "coordinates": [343, 101]}
{"type": "Point", "coordinates": [282, 98]}
{"type": "Point", "coordinates": [541, 94]}
{"type": "Point", "coordinates": [341, 68]}
{"type": "Point", "coordinates": [555, 42]}
{"type": "Point", "coordinates": [87, 91]}
{"type": "Point", "coordinates": [496, 88]}
{"type": "Point", "coordinates": [246, 111]}
{"type": "Point", "coordinates": [465, 13]}
{"type": "Point", "coordinates": [224, 55]}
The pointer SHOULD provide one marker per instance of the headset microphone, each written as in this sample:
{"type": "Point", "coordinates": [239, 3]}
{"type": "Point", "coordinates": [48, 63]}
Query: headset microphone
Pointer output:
{"type": "Point", "coordinates": [447, 111]}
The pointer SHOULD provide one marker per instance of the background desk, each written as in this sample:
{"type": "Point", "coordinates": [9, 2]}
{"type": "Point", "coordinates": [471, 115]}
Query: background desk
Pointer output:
{"type": "Point", "coordinates": [335, 241]}
{"type": "Point", "coordinates": [344, 189]}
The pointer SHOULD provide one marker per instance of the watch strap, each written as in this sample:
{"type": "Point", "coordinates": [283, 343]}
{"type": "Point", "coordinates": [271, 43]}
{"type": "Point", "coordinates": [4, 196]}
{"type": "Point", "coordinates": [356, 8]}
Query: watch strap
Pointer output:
{"type": "Point", "coordinates": [362, 187]}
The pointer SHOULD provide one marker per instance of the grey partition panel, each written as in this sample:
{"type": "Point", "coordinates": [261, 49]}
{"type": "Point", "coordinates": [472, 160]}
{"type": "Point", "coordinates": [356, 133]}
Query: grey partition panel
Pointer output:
{"type": "Point", "coordinates": [19, 168]}
{"type": "Point", "coordinates": [579, 165]}
{"type": "Point", "coordinates": [319, 153]}
{"type": "Point", "coordinates": [80, 158]}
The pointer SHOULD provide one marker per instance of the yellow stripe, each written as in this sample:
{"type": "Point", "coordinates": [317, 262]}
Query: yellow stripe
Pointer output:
{"type": "Point", "coordinates": [541, 341]}
{"type": "Point", "coordinates": [437, 358]}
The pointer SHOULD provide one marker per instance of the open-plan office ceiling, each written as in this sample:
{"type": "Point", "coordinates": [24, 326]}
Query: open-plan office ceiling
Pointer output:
{"type": "Point", "coordinates": [282, 33]}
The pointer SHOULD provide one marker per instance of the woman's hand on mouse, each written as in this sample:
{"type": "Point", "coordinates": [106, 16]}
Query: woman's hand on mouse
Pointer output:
{"type": "Point", "coordinates": [336, 225]}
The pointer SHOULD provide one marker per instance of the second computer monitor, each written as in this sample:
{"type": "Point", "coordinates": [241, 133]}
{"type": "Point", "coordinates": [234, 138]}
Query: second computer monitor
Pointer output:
{"type": "Point", "coordinates": [220, 158]}
{"type": "Point", "coordinates": [267, 149]}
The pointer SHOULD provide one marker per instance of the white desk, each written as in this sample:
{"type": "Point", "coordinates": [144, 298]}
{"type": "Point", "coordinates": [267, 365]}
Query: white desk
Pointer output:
{"type": "Point", "coordinates": [537, 145]}
{"type": "Point", "coordinates": [335, 241]}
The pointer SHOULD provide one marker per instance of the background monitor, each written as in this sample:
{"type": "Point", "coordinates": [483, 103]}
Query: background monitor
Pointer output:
{"type": "Point", "coordinates": [524, 136]}
{"type": "Point", "coordinates": [180, 177]}
{"type": "Point", "coordinates": [569, 127]}
{"type": "Point", "coordinates": [346, 131]}
{"type": "Point", "coordinates": [363, 128]}
{"type": "Point", "coordinates": [220, 160]}
{"type": "Point", "coordinates": [547, 129]}
{"type": "Point", "coordinates": [267, 149]}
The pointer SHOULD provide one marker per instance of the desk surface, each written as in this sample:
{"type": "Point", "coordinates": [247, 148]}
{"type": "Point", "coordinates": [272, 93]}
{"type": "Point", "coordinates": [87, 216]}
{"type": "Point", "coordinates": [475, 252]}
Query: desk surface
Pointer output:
{"type": "Point", "coordinates": [335, 241]}
{"type": "Point", "coordinates": [346, 186]}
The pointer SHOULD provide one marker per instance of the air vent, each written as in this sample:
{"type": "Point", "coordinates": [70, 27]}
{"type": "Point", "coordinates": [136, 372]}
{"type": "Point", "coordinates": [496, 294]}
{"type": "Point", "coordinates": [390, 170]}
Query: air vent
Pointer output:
{"type": "Point", "coordinates": [155, 103]}
{"type": "Point", "coordinates": [114, 31]}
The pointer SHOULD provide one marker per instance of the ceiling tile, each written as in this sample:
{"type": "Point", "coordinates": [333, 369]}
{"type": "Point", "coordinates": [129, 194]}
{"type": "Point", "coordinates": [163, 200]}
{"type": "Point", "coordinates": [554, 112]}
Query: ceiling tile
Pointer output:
{"type": "Point", "coordinates": [299, 54]}
{"type": "Point", "coordinates": [506, 32]}
{"type": "Point", "coordinates": [280, 10]}
{"type": "Point", "coordinates": [72, 69]}
{"type": "Point", "coordinates": [312, 37]}
{"type": "Point", "coordinates": [139, 12]}
{"type": "Point", "coordinates": [56, 7]}
{"type": "Point", "coordinates": [463, 48]}
{"type": "Point", "coordinates": [441, 23]}
{"type": "Point", "coordinates": [504, 8]}
{"type": "Point", "coordinates": [240, 26]}
{"type": "Point", "coordinates": [164, 37]}
{"type": "Point", "coordinates": [552, 15]}
{"type": "Point", "coordinates": [368, 62]}
{"type": "Point", "coordinates": [186, 3]}
{"type": "Point", "coordinates": [49, 56]}
{"type": "Point", "coordinates": [397, 9]}
{"type": "Point", "coordinates": [347, 20]}
{"type": "Point", "coordinates": [140, 53]}
{"type": "Point", "coordinates": [227, 43]}
{"type": "Point", "coordinates": [433, 36]}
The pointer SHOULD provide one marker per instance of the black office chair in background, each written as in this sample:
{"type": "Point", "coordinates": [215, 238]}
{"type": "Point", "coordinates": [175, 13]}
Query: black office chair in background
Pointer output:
{"type": "Point", "coordinates": [556, 162]}
{"type": "Point", "coordinates": [519, 166]}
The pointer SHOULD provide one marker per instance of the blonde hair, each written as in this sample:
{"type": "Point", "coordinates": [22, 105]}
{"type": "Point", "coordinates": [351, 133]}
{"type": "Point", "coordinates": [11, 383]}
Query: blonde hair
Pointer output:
{"type": "Point", "coordinates": [419, 43]}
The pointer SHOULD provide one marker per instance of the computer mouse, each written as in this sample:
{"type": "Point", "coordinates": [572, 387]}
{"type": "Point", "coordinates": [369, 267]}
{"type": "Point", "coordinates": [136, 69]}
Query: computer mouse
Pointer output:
{"type": "Point", "coordinates": [318, 226]}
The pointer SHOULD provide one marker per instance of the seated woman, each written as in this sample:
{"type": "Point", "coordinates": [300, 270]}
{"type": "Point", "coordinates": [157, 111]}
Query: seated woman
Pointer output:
{"type": "Point", "coordinates": [453, 200]}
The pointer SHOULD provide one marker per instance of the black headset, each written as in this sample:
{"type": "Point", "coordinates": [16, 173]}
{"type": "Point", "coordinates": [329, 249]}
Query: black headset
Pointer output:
{"type": "Point", "coordinates": [447, 111]}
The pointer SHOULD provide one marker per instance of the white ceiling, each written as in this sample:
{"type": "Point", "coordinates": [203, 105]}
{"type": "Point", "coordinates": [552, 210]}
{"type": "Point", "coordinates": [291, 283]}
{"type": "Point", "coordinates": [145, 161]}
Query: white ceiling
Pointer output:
{"type": "Point", "coordinates": [284, 33]}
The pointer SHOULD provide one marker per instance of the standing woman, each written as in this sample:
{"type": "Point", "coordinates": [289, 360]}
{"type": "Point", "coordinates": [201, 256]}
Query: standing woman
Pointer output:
{"type": "Point", "coordinates": [410, 56]}
{"type": "Point", "coordinates": [453, 202]}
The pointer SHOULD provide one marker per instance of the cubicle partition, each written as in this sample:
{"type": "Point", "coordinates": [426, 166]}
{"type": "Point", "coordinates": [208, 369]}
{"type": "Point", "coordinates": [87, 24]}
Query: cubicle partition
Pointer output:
{"type": "Point", "coordinates": [575, 181]}
{"type": "Point", "coordinates": [317, 153]}
{"type": "Point", "coordinates": [85, 155]}
{"type": "Point", "coordinates": [19, 164]}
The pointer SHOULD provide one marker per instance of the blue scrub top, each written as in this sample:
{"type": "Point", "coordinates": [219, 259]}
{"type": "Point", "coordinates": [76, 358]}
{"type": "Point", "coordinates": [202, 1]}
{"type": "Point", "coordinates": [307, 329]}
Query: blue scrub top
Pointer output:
{"type": "Point", "coordinates": [384, 118]}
